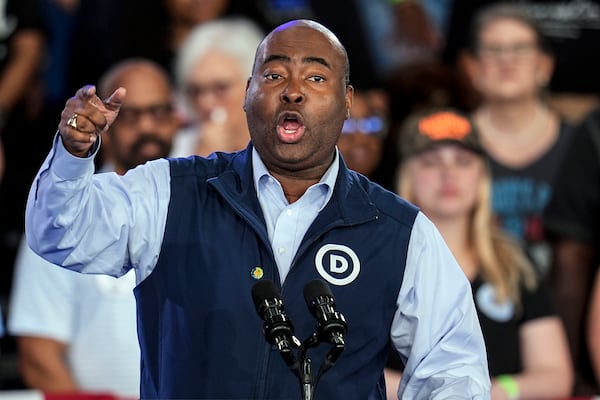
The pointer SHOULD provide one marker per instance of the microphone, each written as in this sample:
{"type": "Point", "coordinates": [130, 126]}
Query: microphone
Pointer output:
{"type": "Point", "coordinates": [278, 328]}
{"type": "Point", "coordinates": [331, 324]}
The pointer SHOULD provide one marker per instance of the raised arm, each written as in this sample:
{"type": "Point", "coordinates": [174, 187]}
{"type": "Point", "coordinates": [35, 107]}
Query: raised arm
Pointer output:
{"type": "Point", "coordinates": [100, 223]}
{"type": "Point", "coordinates": [85, 116]}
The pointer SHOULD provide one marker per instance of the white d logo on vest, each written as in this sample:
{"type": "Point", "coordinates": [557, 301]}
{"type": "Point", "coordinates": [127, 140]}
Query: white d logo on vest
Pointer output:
{"type": "Point", "coordinates": [337, 264]}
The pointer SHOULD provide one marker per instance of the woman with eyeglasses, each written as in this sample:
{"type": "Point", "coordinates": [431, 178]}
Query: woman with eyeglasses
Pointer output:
{"type": "Point", "coordinates": [524, 139]}
{"type": "Point", "coordinates": [211, 70]}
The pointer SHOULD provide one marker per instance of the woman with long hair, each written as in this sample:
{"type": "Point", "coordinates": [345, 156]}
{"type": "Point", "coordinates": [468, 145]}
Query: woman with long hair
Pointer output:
{"type": "Point", "coordinates": [445, 173]}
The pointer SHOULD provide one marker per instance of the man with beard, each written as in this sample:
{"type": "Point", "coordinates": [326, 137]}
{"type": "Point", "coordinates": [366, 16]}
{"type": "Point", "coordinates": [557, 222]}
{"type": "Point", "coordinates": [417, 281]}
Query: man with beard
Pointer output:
{"type": "Point", "coordinates": [201, 232]}
{"type": "Point", "coordinates": [76, 332]}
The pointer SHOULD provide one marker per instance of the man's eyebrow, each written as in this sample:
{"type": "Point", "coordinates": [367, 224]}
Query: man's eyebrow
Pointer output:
{"type": "Point", "coordinates": [306, 60]}
{"type": "Point", "coordinates": [276, 57]}
{"type": "Point", "coordinates": [318, 60]}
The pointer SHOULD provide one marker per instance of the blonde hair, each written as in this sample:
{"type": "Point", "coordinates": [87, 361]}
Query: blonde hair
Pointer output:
{"type": "Point", "coordinates": [503, 262]}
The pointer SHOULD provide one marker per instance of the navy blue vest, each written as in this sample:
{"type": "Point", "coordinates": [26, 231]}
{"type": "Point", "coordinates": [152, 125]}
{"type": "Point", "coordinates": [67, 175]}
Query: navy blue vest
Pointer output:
{"type": "Point", "coordinates": [199, 332]}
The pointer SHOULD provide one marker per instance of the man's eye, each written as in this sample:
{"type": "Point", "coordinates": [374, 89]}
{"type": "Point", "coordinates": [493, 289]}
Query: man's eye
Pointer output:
{"type": "Point", "coordinates": [317, 78]}
{"type": "Point", "coordinates": [272, 77]}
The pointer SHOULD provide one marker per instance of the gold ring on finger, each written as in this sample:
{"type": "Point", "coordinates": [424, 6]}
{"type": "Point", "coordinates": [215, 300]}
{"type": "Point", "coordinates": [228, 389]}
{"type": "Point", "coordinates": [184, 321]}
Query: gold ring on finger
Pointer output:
{"type": "Point", "coordinates": [72, 122]}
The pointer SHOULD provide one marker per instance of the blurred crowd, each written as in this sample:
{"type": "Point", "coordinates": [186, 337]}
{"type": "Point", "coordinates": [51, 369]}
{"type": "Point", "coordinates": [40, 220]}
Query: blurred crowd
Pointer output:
{"type": "Point", "coordinates": [518, 201]}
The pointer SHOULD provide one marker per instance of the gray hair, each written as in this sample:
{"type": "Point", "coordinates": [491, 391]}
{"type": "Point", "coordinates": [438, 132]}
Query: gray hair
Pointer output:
{"type": "Point", "coordinates": [235, 37]}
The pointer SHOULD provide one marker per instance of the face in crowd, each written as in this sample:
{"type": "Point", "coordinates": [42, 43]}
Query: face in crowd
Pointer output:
{"type": "Point", "coordinates": [215, 88]}
{"type": "Point", "coordinates": [146, 124]}
{"type": "Point", "coordinates": [298, 98]}
{"type": "Point", "coordinates": [445, 180]}
{"type": "Point", "coordinates": [509, 61]}
{"type": "Point", "coordinates": [361, 143]}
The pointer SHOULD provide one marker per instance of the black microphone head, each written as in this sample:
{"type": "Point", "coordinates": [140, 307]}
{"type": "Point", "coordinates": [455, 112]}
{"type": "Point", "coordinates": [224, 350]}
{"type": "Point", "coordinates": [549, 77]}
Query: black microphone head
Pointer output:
{"type": "Point", "coordinates": [331, 324]}
{"type": "Point", "coordinates": [315, 289]}
{"type": "Point", "coordinates": [264, 290]}
{"type": "Point", "coordinates": [277, 327]}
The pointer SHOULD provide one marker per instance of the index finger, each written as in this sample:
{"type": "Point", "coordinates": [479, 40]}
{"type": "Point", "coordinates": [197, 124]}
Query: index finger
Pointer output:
{"type": "Point", "coordinates": [86, 92]}
{"type": "Point", "coordinates": [115, 100]}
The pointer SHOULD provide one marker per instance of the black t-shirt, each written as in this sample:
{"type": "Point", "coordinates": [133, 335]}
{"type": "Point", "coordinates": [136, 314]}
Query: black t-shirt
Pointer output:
{"type": "Point", "coordinates": [500, 323]}
{"type": "Point", "coordinates": [574, 211]}
{"type": "Point", "coordinates": [521, 195]}
{"type": "Point", "coordinates": [572, 28]}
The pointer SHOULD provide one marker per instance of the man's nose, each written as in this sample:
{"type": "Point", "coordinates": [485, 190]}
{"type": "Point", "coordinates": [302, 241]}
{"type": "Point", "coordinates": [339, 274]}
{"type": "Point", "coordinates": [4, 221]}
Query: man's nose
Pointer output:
{"type": "Point", "coordinates": [293, 93]}
{"type": "Point", "coordinates": [146, 122]}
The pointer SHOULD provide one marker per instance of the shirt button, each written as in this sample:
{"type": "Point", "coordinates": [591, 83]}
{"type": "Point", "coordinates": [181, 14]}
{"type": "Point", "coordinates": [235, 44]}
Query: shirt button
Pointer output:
{"type": "Point", "coordinates": [289, 212]}
{"type": "Point", "coordinates": [281, 250]}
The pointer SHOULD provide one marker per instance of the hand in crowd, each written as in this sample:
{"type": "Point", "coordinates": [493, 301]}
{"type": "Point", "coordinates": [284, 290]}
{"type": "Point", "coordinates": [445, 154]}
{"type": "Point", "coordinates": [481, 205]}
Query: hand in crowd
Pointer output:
{"type": "Point", "coordinates": [497, 392]}
{"type": "Point", "coordinates": [85, 116]}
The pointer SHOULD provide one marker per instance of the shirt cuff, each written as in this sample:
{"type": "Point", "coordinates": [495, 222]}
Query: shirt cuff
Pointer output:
{"type": "Point", "coordinates": [69, 167]}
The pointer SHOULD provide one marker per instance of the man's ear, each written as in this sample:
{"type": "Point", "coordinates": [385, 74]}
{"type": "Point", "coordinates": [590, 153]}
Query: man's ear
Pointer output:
{"type": "Point", "coordinates": [246, 95]}
{"type": "Point", "coordinates": [349, 99]}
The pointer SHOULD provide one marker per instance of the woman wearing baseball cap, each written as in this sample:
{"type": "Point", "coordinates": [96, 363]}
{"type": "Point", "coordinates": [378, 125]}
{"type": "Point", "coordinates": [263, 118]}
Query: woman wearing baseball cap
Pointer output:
{"type": "Point", "coordinates": [444, 171]}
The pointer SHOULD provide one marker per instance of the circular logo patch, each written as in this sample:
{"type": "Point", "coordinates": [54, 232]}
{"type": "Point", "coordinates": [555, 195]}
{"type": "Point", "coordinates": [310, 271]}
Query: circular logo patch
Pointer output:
{"type": "Point", "coordinates": [486, 301]}
{"type": "Point", "coordinates": [337, 264]}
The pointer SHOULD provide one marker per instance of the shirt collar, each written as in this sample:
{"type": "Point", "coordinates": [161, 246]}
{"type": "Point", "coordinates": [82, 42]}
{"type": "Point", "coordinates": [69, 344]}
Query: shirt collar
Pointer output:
{"type": "Point", "coordinates": [260, 173]}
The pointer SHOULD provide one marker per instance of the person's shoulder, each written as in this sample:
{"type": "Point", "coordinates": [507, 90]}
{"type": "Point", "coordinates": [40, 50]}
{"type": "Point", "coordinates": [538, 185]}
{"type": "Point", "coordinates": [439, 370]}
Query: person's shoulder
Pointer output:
{"type": "Point", "coordinates": [593, 114]}
{"type": "Point", "coordinates": [586, 135]}
{"type": "Point", "coordinates": [209, 166]}
{"type": "Point", "coordinates": [591, 122]}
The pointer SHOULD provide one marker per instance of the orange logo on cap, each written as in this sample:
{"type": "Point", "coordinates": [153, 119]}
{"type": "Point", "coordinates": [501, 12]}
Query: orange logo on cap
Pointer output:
{"type": "Point", "coordinates": [445, 125]}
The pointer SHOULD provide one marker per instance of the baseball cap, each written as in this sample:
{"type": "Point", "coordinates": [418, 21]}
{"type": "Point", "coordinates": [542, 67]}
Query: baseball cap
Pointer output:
{"type": "Point", "coordinates": [423, 130]}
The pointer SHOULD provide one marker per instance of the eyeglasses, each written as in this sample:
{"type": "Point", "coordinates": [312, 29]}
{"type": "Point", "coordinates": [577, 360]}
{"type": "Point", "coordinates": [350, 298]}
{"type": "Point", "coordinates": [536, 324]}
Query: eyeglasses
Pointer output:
{"type": "Point", "coordinates": [219, 89]}
{"type": "Point", "coordinates": [160, 113]}
{"type": "Point", "coordinates": [517, 50]}
{"type": "Point", "coordinates": [373, 125]}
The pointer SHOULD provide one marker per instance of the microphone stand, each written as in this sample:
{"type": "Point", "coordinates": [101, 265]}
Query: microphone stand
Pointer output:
{"type": "Point", "coordinates": [306, 379]}
{"type": "Point", "coordinates": [303, 369]}
{"type": "Point", "coordinates": [278, 330]}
